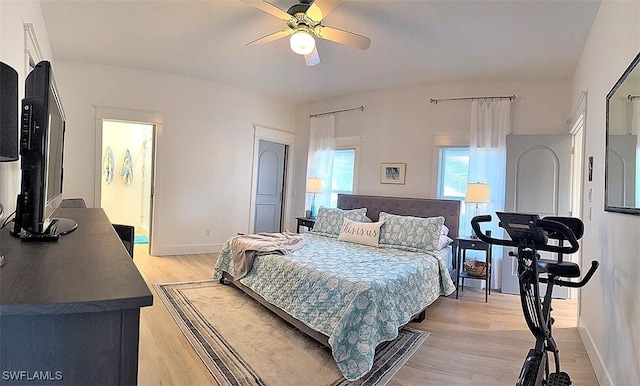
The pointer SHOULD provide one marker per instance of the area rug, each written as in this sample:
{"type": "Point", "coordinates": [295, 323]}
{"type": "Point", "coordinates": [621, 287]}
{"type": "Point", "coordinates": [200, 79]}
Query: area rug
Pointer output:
{"type": "Point", "coordinates": [243, 343]}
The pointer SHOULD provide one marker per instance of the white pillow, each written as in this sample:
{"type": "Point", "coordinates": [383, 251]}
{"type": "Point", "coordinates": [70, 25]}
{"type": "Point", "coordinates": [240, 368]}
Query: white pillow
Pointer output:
{"type": "Point", "coordinates": [444, 241]}
{"type": "Point", "coordinates": [445, 230]}
{"type": "Point", "coordinates": [367, 233]}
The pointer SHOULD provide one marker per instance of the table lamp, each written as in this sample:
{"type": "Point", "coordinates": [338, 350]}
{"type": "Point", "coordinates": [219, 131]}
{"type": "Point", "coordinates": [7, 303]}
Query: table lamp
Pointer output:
{"type": "Point", "coordinates": [477, 193]}
{"type": "Point", "coordinates": [315, 186]}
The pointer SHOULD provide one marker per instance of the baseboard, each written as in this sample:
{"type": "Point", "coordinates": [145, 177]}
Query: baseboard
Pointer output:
{"type": "Point", "coordinates": [597, 363]}
{"type": "Point", "coordinates": [191, 249]}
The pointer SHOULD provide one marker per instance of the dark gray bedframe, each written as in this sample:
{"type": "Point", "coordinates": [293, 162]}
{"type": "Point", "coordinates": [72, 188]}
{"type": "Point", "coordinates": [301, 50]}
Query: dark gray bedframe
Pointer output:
{"type": "Point", "coordinates": [419, 207]}
{"type": "Point", "coordinates": [404, 206]}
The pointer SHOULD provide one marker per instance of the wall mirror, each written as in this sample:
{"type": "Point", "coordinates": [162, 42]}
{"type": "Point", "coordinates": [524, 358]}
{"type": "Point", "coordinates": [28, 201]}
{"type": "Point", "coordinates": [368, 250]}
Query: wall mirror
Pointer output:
{"type": "Point", "coordinates": [622, 161]}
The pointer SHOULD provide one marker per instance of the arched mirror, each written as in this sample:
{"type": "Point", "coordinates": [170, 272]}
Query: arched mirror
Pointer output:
{"type": "Point", "coordinates": [622, 161]}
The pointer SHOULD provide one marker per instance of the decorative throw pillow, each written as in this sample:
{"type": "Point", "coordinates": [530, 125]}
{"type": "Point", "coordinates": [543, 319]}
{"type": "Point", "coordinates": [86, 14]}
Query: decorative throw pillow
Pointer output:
{"type": "Point", "coordinates": [412, 232]}
{"type": "Point", "coordinates": [366, 233]}
{"type": "Point", "coordinates": [329, 220]}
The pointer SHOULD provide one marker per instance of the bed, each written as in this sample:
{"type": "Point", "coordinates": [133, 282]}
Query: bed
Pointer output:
{"type": "Point", "coordinates": [351, 296]}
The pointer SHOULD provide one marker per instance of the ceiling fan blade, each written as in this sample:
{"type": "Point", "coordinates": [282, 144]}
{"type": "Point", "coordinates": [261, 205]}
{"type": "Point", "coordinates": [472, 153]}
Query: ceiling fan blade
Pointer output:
{"type": "Point", "coordinates": [268, 8]}
{"type": "Point", "coordinates": [313, 58]}
{"type": "Point", "coordinates": [271, 37]}
{"type": "Point", "coordinates": [321, 8]}
{"type": "Point", "coordinates": [343, 37]}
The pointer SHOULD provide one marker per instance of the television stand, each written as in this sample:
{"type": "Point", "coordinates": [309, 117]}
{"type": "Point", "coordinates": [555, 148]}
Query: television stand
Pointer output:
{"type": "Point", "coordinates": [71, 309]}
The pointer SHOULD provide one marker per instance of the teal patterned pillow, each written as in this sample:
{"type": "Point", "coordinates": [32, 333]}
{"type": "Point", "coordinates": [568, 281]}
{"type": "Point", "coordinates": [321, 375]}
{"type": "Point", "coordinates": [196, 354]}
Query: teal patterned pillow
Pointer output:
{"type": "Point", "coordinates": [411, 232]}
{"type": "Point", "coordinates": [329, 220]}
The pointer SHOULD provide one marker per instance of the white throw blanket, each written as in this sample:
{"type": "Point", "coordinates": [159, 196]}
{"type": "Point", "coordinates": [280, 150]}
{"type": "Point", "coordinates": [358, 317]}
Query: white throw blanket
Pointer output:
{"type": "Point", "coordinates": [244, 248]}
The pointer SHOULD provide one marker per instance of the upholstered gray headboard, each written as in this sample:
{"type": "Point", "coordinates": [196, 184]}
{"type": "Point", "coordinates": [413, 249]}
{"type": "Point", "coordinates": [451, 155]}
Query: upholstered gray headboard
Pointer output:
{"type": "Point", "coordinates": [419, 207]}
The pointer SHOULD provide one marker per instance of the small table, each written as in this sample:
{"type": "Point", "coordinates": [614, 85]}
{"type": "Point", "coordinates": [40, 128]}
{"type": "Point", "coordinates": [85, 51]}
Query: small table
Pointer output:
{"type": "Point", "coordinates": [305, 222]}
{"type": "Point", "coordinates": [460, 247]}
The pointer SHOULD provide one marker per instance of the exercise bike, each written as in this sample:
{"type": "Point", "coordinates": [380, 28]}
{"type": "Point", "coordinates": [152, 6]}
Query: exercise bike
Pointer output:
{"type": "Point", "coordinates": [530, 234]}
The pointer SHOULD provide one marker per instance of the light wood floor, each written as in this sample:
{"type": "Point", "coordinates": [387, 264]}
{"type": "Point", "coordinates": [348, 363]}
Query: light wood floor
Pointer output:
{"type": "Point", "coordinates": [471, 342]}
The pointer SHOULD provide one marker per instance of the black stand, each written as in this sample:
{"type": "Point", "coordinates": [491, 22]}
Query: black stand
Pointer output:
{"type": "Point", "coordinates": [62, 226]}
{"type": "Point", "coordinates": [57, 227]}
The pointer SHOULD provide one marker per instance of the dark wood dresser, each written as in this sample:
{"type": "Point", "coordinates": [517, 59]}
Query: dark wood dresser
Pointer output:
{"type": "Point", "coordinates": [70, 310]}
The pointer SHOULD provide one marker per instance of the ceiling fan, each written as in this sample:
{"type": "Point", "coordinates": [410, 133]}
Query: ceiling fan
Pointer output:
{"type": "Point", "coordinates": [304, 22]}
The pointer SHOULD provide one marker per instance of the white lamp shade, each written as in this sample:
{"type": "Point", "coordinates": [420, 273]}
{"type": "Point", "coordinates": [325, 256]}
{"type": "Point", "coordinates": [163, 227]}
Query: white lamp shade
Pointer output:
{"type": "Point", "coordinates": [477, 193]}
{"type": "Point", "coordinates": [302, 43]}
{"type": "Point", "coordinates": [315, 185]}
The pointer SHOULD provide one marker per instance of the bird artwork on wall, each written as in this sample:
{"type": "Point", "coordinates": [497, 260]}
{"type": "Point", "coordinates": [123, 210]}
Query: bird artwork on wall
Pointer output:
{"type": "Point", "coordinates": [127, 168]}
{"type": "Point", "coordinates": [108, 166]}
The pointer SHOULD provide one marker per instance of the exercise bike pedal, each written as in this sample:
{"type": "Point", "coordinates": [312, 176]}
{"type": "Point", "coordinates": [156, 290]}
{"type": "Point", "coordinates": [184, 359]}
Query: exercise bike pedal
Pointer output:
{"type": "Point", "coordinates": [559, 379]}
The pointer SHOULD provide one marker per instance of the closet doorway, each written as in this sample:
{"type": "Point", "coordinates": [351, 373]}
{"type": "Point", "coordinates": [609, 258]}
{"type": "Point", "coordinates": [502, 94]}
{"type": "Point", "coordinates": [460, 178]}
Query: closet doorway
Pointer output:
{"type": "Point", "coordinates": [127, 174]}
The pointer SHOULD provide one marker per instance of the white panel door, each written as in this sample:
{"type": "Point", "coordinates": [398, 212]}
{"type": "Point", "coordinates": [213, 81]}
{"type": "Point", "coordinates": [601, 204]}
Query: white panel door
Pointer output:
{"type": "Point", "coordinates": [269, 187]}
{"type": "Point", "coordinates": [538, 182]}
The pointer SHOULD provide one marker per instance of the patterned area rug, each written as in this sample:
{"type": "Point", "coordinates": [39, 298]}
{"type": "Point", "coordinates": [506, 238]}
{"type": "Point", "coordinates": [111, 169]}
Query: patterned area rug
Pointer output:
{"type": "Point", "coordinates": [243, 343]}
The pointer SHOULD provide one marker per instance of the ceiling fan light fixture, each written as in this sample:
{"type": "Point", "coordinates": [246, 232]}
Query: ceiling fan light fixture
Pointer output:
{"type": "Point", "coordinates": [302, 42]}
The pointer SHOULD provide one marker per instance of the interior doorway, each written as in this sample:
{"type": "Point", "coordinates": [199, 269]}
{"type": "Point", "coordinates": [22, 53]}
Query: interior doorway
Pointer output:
{"type": "Point", "coordinates": [270, 187]}
{"type": "Point", "coordinates": [127, 174]}
{"type": "Point", "coordinates": [286, 141]}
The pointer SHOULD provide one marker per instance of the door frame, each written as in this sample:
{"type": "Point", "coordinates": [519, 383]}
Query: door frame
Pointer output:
{"type": "Point", "coordinates": [154, 118]}
{"type": "Point", "coordinates": [577, 123]}
{"type": "Point", "coordinates": [288, 140]}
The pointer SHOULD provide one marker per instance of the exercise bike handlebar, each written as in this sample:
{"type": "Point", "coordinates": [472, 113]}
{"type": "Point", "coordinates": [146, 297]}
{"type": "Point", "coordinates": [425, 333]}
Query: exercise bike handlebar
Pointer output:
{"type": "Point", "coordinates": [559, 228]}
{"type": "Point", "coordinates": [581, 283]}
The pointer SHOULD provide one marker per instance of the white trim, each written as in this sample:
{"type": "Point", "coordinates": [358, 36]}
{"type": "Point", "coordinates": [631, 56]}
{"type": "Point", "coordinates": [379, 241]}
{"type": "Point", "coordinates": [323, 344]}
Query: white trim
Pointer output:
{"type": "Point", "coordinates": [579, 108]}
{"type": "Point", "coordinates": [132, 115]}
{"type": "Point", "coordinates": [283, 138]}
{"type": "Point", "coordinates": [456, 139]}
{"type": "Point", "coordinates": [348, 142]}
{"type": "Point", "coordinates": [578, 126]}
{"type": "Point", "coordinates": [31, 48]}
{"type": "Point", "coordinates": [128, 115]}
{"type": "Point", "coordinates": [190, 249]}
{"type": "Point", "coordinates": [597, 363]}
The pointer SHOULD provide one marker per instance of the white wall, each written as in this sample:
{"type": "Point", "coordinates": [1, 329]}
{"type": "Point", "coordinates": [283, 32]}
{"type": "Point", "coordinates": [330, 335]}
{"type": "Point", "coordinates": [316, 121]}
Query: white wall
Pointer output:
{"type": "Point", "coordinates": [609, 309]}
{"type": "Point", "coordinates": [397, 125]}
{"type": "Point", "coordinates": [13, 16]}
{"type": "Point", "coordinates": [206, 147]}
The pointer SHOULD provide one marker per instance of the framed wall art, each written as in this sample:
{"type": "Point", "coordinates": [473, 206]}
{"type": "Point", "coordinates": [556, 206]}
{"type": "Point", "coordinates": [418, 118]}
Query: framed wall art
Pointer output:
{"type": "Point", "coordinates": [393, 173]}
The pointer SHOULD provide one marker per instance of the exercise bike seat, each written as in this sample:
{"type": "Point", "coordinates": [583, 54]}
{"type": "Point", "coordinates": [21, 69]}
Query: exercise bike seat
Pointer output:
{"type": "Point", "coordinates": [559, 268]}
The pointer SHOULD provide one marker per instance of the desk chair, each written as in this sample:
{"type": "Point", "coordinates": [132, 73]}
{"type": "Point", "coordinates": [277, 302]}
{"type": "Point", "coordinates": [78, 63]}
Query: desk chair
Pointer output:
{"type": "Point", "coordinates": [127, 234]}
{"type": "Point", "coordinates": [73, 203]}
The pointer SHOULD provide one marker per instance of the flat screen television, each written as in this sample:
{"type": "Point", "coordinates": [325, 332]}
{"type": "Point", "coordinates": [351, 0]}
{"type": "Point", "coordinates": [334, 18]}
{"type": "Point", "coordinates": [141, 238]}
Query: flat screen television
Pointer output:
{"type": "Point", "coordinates": [42, 129]}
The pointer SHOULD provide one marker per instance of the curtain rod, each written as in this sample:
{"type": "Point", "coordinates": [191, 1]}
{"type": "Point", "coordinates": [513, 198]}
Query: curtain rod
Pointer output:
{"type": "Point", "coordinates": [632, 97]}
{"type": "Point", "coordinates": [361, 108]}
{"type": "Point", "coordinates": [435, 101]}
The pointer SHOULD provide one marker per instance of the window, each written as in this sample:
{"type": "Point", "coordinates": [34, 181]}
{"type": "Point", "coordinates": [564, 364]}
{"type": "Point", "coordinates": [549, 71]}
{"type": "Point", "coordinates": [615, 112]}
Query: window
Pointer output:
{"type": "Point", "coordinates": [453, 167]}
{"type": "Point", "coordinates": [343, 173]}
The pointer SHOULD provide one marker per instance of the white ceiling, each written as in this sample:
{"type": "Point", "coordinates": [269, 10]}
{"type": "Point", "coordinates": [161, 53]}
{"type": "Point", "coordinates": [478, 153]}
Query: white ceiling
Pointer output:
{"type": "Point", "coordinates": [411, 42]}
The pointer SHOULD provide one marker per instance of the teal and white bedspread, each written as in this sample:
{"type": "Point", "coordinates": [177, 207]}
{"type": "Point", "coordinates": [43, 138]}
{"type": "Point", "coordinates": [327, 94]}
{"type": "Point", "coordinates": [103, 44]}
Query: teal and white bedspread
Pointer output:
{"type": "Point", "coordinates": [355, 294]}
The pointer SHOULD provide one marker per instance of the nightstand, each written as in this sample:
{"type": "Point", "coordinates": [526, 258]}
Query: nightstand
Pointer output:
{"type": "Point", "coordinates": [305, 222]}
{"type": "Point", "coordinates": [460, 247]}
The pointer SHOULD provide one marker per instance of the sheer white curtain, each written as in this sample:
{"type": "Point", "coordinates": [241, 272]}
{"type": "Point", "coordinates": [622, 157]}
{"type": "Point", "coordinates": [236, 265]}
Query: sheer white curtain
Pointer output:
{"type": "Point", "coordinates": [320, 161]}
{"type": "Point", "coordinates": [490, 124]}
